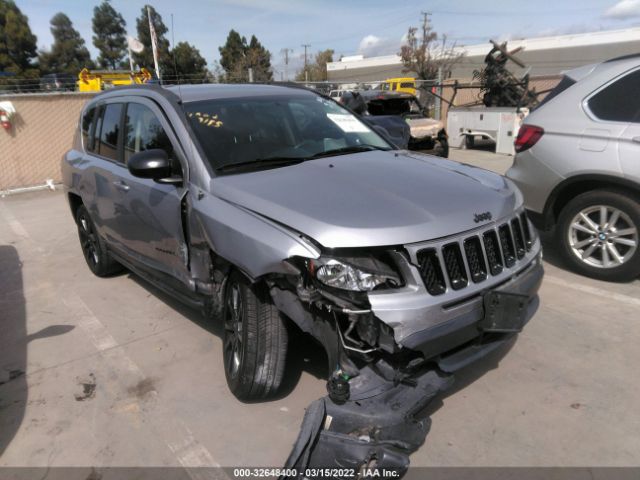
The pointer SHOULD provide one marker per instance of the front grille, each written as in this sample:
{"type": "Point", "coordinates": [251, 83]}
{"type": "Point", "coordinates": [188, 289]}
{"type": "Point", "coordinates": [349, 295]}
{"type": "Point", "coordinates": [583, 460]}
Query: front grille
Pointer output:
{"type": "Point", "coordinates": [527, 232]}
{"type": "Point", "coordinates": [455, 266]}
{"type": "Point", "coordinates": [431, 272]}
{"type": "Point", "coordinates": [476, 257]}
{"type": "Point", "coordinates": [518, 237]}
{"type": "Point", "coordinates": [506, 242]}
{"type": "Point", "coordinates": [493, 252]}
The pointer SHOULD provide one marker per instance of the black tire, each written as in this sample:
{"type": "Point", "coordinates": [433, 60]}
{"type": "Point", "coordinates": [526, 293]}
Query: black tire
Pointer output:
{"type": "Point", "coordinates": [442, 148]}
{"type": "Point", "coordinates": [255, 340]}
{"type": "Point", "coordinates": [469, 142]}
{"type": "Point", "coordinates": [629, 218]}
{"type": "Point", "coordinates": [93, 246]}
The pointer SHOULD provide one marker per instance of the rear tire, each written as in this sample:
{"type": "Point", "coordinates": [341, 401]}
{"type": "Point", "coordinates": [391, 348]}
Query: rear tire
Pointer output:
{"type": "Point", "coordinates": [605, 249]}
{"type": "Point", "coordinates": [93, 246]}
{"type": "Point", "coordinates": [469, 142]}
{"type": "Point", "coordinates": [255, 340]}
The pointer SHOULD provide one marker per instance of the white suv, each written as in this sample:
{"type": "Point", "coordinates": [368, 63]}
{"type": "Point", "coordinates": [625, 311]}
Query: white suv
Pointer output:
{"type": "Point", "coordinates": [578, 166]}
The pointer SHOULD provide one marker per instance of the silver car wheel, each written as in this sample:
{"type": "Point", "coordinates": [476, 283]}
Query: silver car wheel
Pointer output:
{"type": "Point", "coordinates": [603, 236]}
{"type": "Point", "coordinates": [234, 316]}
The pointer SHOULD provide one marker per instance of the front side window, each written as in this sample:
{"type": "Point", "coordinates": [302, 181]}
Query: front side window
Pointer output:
{"type": "Point", "coordinates": [110, 131]}
{"type": "Point", "coordinates": [242, 130]}
{"type": "Point", "coordinates": [143, 131]}
{"type": "Point", "coordinates": [620, 101]}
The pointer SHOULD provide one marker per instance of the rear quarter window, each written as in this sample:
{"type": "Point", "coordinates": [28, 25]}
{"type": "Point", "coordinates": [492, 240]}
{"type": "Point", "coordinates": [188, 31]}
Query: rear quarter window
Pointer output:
{"type": "Point", "coordinates": [619, 101]}
{"type": "Point", "coordinates": [87, 123]}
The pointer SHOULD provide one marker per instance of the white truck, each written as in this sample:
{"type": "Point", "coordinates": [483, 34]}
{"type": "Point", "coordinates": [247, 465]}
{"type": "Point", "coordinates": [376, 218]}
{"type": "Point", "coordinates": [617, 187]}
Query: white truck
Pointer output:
{"type": "Point", "coordinates": [499, 124]}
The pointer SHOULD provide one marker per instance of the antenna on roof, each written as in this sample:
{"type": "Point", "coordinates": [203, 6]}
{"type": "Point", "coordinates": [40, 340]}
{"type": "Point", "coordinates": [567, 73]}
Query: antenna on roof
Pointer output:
{"type": "Point", "coordinates": [173, 51]}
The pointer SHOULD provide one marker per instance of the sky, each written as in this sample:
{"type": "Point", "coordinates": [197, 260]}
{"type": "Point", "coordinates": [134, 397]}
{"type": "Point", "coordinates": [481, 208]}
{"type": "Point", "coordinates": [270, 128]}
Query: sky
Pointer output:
{"type": "Point", "coordinates": [368, 27]}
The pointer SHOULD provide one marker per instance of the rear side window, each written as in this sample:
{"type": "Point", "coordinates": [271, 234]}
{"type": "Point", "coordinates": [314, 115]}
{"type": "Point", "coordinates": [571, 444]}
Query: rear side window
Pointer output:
{"type": "Point", "coordinates": [620, 101]}
{"type": "Point", "coordinates": [143, 131]}
{"type": "Point", "coordinates": [87, 122]}
{"type": "Point", "coordinates": [110, 132]}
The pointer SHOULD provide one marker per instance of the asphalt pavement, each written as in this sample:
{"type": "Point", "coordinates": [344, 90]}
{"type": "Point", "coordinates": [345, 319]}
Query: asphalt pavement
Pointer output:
{"type": "Point", "coordinates": [111, 372]}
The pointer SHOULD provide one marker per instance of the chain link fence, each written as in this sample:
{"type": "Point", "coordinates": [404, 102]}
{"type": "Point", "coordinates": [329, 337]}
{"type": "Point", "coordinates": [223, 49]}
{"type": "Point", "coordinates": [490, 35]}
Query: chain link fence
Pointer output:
{"type": "Point", "coordinates": [46, 118]}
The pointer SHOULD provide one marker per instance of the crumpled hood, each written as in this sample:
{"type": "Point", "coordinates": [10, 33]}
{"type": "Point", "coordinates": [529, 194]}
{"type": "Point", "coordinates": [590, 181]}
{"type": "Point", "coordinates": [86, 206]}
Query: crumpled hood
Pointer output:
{"type": "Point", "coordinates": [373, 198]}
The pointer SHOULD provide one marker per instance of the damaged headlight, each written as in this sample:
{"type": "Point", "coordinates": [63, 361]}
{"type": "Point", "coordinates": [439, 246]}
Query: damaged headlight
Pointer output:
{"type": "Point", "coordinates": [365, 276]}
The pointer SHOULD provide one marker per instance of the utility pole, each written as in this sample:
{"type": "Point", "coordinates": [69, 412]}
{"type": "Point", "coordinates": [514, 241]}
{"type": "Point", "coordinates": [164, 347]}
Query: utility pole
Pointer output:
{"type": "Point", "coordinates": [425, 26]}
{"type": "Point", "coordinates": [285, 53]}
{"type": "Point", "coordinates": [306, 73]}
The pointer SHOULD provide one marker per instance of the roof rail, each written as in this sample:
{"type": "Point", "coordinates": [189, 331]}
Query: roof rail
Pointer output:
{"type": "Point", "coordinates": [624, 57]}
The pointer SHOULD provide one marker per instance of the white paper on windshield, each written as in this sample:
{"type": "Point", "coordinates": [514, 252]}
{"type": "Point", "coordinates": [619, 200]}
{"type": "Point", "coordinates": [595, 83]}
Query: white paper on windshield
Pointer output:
{"type": "Point", "coordinates": [348, 123]}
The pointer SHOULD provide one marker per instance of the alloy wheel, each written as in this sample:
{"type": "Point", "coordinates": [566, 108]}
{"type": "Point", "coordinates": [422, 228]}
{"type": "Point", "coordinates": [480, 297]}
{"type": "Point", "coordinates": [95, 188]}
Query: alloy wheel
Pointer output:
{"type": "Point", "coordinates": [603, 236]}
{"type": "Point", "coordinates": [88, 240]}
{"type": "Point", "coordinates": [233, 322]}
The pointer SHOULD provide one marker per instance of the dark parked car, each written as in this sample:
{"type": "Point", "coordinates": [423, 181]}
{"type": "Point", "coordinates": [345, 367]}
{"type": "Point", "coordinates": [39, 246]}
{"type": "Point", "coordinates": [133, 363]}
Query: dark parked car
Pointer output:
{"type": "Point", "coordinates": [58, 82]}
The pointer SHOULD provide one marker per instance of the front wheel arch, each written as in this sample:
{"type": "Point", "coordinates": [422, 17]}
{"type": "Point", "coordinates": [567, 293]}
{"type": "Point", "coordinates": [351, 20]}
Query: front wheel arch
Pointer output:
{"type": "Point", "coordinates": [571, 187]}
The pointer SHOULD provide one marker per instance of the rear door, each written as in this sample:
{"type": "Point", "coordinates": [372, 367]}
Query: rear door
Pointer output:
{"type": "Point", "coordinates": [608, 144]}
{"type": "Point", "coordinates": [151, 226]}
{"type": "Point", "coordinates": [102, 149]}
{"type": "Point", "coordinates": [629, 149]}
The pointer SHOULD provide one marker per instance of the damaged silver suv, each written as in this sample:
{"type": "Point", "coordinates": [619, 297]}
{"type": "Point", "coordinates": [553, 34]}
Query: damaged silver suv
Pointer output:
{"type": "Point", "coordinates": [272, 207]}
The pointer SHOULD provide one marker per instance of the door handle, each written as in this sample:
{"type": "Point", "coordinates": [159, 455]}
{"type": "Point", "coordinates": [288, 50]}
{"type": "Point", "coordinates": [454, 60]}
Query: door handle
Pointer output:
{"type": "Point", "coordinates": [636, 139]}
{"type": "Point", "coordinates": [120, 185]}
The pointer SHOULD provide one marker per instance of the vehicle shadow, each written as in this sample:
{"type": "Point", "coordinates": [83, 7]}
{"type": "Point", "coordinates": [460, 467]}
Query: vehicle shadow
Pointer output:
{"type": "Point", "coordinates": [551, 250]}
{"type": "Point", "coordinates": [468, 375]}
{"type": "Point", "coordinates": [304, 354]}
{"type": "Point", "coordinates": [13, 345]}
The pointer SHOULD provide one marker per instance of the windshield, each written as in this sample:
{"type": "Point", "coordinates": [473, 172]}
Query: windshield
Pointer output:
{"type": "Point", "coordinates": [234, 131]}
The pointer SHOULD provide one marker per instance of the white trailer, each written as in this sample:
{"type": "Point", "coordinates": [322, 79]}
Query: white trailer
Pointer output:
{"type": "Point", "coordinates": [500, 124]}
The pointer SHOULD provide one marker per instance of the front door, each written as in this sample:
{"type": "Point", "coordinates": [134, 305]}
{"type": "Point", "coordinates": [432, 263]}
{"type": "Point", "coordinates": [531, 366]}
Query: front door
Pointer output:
{"type": "Point", "coordinates": [151, 231]}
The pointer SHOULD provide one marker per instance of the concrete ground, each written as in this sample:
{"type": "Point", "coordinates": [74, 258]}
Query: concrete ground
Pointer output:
{"type": "Point", "coordinates": [110, 372]}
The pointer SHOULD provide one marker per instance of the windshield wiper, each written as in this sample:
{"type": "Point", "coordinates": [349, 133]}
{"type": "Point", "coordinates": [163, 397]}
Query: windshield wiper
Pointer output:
{"type": "Point", "coordinates": [347, 150]}
{"type": "Point", "coordinates": [261, 162]}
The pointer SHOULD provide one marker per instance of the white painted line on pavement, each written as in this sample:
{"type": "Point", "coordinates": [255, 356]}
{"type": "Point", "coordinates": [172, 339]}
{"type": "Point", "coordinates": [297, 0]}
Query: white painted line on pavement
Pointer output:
{"type": "Point", "coordinates": [618, 297]}
{"type": "Point", "coordinates": [190, 453]}
{"type": "Point", "coordinates": [93, 327]}
{"type": "Point", "coordinates": [13, 222]}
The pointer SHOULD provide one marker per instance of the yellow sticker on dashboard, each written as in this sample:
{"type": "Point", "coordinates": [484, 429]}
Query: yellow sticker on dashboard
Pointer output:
{"type": "Point", "coordinates": [207, 119]}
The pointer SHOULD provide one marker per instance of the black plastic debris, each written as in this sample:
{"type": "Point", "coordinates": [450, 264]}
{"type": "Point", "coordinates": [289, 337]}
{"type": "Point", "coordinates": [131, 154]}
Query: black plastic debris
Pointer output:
{"type": "Point", "coordinates": [376, 429]}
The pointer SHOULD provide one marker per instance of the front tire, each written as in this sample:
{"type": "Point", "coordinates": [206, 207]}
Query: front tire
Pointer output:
{"type": "Point", "coordinates": [598, 233]}
{"type": "Point", "coordinates": [93, 246]}
{"type": "Point", "coordinates": [255, 340]}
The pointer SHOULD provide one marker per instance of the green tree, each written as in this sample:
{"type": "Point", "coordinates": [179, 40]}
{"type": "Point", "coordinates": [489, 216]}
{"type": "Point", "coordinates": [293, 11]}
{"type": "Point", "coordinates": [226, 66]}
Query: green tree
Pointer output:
{"type": "Point", "coordinates": [17, 44]}
{"type": "Point", "coordinates": [68, 53]}
{"type": "Point", "coordinates": [232, 52]}
{"type": "Point", "coordinates": [317, 71]}
{"type": "Point", "coordinates": [259, 59]}
{"type": "Point", "coordinates": [189, 63]}
{"type": "Point", "coordinates": [145, 58]}
{"type": "Point", "coordinates": [109, 37]}
{"type": "Point", "coordinates": [237, 56]}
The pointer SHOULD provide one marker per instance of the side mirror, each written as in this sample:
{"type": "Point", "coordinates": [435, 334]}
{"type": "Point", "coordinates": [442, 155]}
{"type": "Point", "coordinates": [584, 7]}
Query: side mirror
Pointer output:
{"type": "Point", "coordinates": [153, 164]}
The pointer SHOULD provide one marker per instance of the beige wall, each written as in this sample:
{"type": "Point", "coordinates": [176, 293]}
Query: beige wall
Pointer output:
{"type": "Point", "coordinates": [44, 125]}
{"type": "Point", "coordinates": [43, 129]}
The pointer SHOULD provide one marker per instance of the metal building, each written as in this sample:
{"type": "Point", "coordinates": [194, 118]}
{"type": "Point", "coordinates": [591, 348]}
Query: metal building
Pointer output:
{"type": "Point", "coordinates": [542, 55]}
